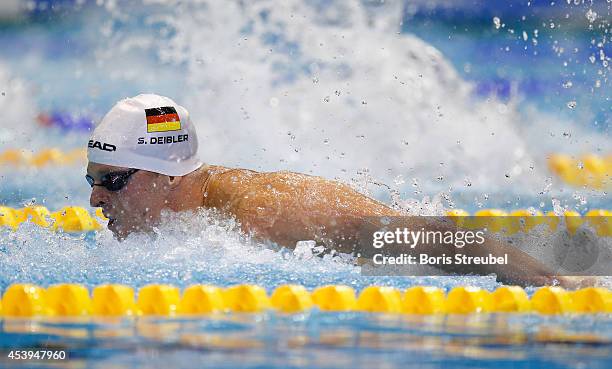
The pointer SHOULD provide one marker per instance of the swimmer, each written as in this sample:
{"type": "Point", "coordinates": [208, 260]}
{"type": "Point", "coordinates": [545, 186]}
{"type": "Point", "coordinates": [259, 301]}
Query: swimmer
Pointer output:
{"type": "Point", "coordinates": [143, 160]}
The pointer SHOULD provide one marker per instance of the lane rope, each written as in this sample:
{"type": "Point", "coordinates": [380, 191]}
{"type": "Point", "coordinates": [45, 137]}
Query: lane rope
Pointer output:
{"type": "Point", "coordinates": [28, 300]}
{"type": "Point", "coordinates": [78, 219]}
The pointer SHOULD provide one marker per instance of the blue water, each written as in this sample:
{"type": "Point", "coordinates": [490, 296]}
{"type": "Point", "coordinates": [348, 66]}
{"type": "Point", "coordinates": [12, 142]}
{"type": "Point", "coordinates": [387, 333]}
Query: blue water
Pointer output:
{"type": "Point", "coordinates": [503, 61]}
{"type": "Point", "coordinates": [322, 340]}
{"type": "Point", "coordinates": [79, 59]}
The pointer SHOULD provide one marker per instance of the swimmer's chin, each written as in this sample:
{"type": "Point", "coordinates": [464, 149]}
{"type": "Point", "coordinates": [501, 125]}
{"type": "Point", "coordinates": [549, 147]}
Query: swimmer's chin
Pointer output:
{"type": "Point", "coordinates": [121, 232]}
{"type": "Point", "coordinates": [118, 232]}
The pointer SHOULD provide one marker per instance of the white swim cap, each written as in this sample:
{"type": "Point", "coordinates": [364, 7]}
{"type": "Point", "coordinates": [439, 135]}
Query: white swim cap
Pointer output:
{"type": "Point", "coordinates": [148, 132]}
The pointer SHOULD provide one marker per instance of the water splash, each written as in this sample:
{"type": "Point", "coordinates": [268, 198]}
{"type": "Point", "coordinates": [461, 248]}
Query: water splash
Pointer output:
{"type": "Point", "coordinates": [188, 248]}
{"type": "Point", "coordinates": [353, 92]}
{"type": "Point", "coordinates": [16, 104]}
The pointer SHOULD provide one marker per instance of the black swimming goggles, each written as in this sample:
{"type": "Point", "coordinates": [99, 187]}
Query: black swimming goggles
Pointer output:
{"type": "Point", "coordinates": [113, 181]}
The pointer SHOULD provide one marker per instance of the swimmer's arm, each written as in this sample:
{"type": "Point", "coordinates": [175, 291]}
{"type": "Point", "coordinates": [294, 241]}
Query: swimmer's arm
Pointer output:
{"type": "Point", "coordinates": [522, 269]}
{"type": "Point", "coordinates": [286, 207]}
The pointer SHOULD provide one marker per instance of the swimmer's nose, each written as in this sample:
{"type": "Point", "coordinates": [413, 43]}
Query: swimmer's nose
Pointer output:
{"type": "Point", "coordinates": [98, 197]}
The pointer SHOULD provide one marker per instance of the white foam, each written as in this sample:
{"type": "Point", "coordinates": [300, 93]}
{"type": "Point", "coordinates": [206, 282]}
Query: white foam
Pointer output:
{"type": "Point", "coordinates": [186, 249]}
{"type": "Point", "coordinates": [201, 247]}
{"type": "Point", "coordinates": [331, 88]}
{"type": "Point", "coordinates": [18, 115]}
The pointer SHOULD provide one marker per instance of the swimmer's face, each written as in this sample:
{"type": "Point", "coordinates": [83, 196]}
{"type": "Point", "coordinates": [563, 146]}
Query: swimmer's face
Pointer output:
{"type": "Point", "coordinates": [134, 208]}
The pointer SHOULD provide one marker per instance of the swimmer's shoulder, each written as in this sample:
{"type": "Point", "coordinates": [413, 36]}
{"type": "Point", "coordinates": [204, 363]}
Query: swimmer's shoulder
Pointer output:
{"type": "Point", "coordinates": [229, 186]}
{"type": "Point", "coordinates": [220, 175]}
{"type": "Point", "coordinates": [221, 185]}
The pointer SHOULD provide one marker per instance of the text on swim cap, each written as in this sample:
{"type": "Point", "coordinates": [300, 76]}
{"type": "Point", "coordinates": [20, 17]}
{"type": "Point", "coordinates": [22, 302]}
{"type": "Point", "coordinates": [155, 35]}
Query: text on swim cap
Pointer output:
{"type": "Point", "coordinates": [101, 145]}
{"type": "Point", "coordinates": [163, 140]}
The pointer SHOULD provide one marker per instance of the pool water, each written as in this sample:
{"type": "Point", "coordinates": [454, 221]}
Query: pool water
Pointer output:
{"type": "Point", "coordinates": [434, 102]}
{"type": "Point", "coordinates": [324, 340]}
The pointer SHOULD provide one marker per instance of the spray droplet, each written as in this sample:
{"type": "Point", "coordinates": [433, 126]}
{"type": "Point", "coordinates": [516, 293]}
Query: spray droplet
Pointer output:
{"type": "Point", "coordinates": [567, 84]}
{"type": "Point", "coordinates": [571, 104]}
{"type": "Point", "coordinates": [525, 36]}
{"type": "Point", "coordinates": [591, 15]}
{"type": "Point", "coordinates": [496, 22]}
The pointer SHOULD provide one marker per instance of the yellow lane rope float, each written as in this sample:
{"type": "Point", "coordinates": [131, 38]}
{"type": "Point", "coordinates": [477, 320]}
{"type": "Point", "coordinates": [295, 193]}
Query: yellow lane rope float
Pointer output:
{"type": "Point", "coordinates": [68, 218]}
{"type": "Point", "coordinates": [28, 300]}
{"type": "Point", "coordinates": [79, 219]}
{"type": "Point", "coordinates": [589, 170]}
{"type": "Point", "coordinates": [45, 157]}
{"type": "Point", "coordinates": [523, 220]}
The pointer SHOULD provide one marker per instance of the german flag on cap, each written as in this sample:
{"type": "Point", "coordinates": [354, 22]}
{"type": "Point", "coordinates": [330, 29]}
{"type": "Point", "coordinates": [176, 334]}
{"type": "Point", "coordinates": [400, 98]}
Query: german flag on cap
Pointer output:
{"type": "Point", "coordinates": [162, 119]}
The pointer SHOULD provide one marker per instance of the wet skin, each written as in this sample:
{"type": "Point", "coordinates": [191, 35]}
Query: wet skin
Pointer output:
{"type": "Point", "coordinates": [134, 208]}
{"type": "Point", "coordinates": [282, 207]}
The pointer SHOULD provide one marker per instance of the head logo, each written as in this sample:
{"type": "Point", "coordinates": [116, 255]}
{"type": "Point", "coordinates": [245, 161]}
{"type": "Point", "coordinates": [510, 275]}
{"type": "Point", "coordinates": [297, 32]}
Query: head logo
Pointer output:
{"type": "Point", "coordinates": [162, 119]}
{"type": "Point", "coordinates": [101, 145]}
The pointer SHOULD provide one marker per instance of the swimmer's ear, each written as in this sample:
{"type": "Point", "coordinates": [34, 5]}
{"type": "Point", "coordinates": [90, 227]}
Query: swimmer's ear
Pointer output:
{"type": "Point", "coordinates": [174, 181]}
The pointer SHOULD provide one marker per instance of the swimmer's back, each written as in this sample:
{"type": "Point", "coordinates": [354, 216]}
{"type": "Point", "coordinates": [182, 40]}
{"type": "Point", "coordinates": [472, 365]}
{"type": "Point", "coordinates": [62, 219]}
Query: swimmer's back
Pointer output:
{"type": "Point", "coordinates": [287, 207]}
